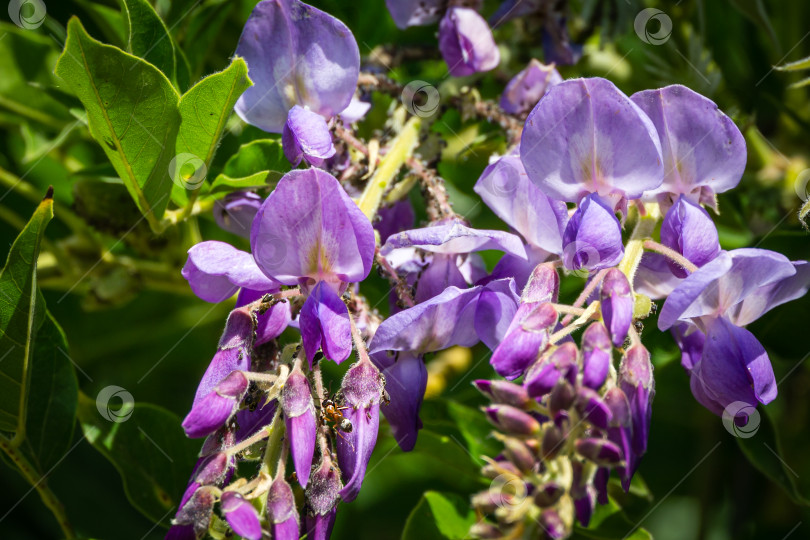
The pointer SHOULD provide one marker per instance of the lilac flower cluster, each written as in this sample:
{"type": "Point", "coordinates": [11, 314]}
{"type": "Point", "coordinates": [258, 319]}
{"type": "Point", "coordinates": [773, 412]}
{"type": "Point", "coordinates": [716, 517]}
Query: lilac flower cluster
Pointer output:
{"type": "Point", "coordinates": [590, 160]}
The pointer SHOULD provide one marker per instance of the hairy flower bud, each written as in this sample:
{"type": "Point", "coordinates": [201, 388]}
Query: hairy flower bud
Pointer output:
{"type": "Point", "coordinates": [512, 420]}
{"type": "Point", "coordinates": [596, 355]}
{"type": "Point", "coordinates": [504, 392]}
{"type": "Point", "coordinates": [241, 515]}
{"type": "Point", "coordinates": [616, 299]}
{"type": "Point", "coordinates": [323, 494]}
{"type": "Point", "coordinates": [299, 418]}
{"type": "Point", "coordinates": [600, 451]}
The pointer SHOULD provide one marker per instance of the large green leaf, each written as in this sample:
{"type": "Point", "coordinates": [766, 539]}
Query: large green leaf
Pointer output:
{"type": "Point", "coordinates": [132, 111]}
{"type": "Point", "coordinates": [51, 399]}
{"type": "Point", "coordinates": [22, 311]}
{"type": "Point", "coordinates": [610, 523]}
{"type": "Point", "coordinates": [204, 111]}
{"type": "Point", "coordinates": [438, 516]}
{"type": "Point", "coordinates": [255, 157]}
{"type": "Point", "coordinates": [149, 450]}
{"type": "Point", "coordinates": [26, 63]}
{"type": "Point", "coordinates": [764, 450]}
{"type": "Point", "coordinates": [148, 36]}
{"type": "Point", "coordinates": [467, 426]}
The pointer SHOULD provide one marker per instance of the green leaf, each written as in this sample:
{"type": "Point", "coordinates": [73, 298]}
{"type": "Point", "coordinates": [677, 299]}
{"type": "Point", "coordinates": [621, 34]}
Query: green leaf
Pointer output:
{"type": "Point", "coordinates": [52, 398]}
{"type": "Point", "coordinates": [110, 21]}
{"type": "Point", "coordinates": [26, 63]}
{"type": "Point", "coordinates": [149, 450]}
{"type": "Point", "coordinates": [439, 515]}
{"type": "Point", "coordinates": [468, 426]}
{"type": "Point", "coordinates": [800, 84]}
{"type": "Point", "coordinates": [610, 523]}
{"type": "Point", "coordinates": [804, 63]}
{"type": "Point", "coordinates": [148, 36]}
{"type": "Point", "coordinates": [257, 156]}
{"type": "Point", "coordinates": [204, 111]}
{"type": "Point", "coordinates": [226, 184]}
{"type": "Point", "coordinates": [132, 111]}
{"type": "Point", "coordinates": [22, 311]}
{"type": "Point", "coordinates": [764, 451]}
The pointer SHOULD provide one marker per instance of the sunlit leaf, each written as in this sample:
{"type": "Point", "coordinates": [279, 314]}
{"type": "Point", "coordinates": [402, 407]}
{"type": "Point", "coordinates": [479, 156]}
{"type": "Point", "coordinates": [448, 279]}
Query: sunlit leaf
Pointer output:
{"type": "Point", "coordinates": [439, 515]}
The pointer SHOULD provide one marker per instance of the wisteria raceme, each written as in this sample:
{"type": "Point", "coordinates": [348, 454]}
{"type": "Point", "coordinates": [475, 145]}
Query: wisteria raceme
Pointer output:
{"type": "Point", "coordinates": [572, 398]}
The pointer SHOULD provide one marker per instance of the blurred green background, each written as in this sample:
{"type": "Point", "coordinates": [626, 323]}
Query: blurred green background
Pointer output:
{"type": "Point", "coordinates": [150, 336]}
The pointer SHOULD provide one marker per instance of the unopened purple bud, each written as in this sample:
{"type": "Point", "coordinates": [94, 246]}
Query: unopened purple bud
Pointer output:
{"type": "Point", "coordinates": [688, 229]}
{"type": "Point", "coordinates": [466, 42]}
{"type": "Point", "coordinates": [552, 443]}
{"type": "Point", "coordinates": [619, 407]}
{"type": "Point", "coordinates": [562, 396]}
{"type": "Point", "coordinates": [600, 484]}
{"type": "Point", "coordinates": [636, 381]}
{"type": "Point", "coordinates": [197, 511]}
{"type": "Point", "coordinates": [485, 531]}
{"type": "Point", "coordinates": [527, 335]}
{"type": "Point", "coordinates": [592, 239]}
{"type": "Point", "coordinates": [323, 495]}
{"type": "Point", "coordinates": [241, 516]}
{"type": "Point", "coordinates": [299, 418]}
{"type": "Point", "coordinates": [527, 87]}
{"type": "Point", "coordinates": [548, 494]}
{"type": "Point", "coordinates": [504, 392]}
{"type": "Point", "coordinates": [306, 136]}
{"type": "Point", "coordinates": [600, 451]}
{"type": "Point", "coordinates": [593, 408]}
{"type": "Point", "coordinates": [543, 285]}
{"type": "Point", "coordinates": [216, 408]}
{"type": "Point", "coordinates": [519, 454]}
{"type": "Point", "coordinates": [282, 515]}
{"type": "Point", "coordinates": [512, 420]}
{"type": "Point", "coordinates": [235, 212]}
{"type": "Point", "coordinates": [212, 469]}
{"type": "Point", "coordinates": [553, 524]}
{"type": "Point", "coordinates": [616, 299]}
{"type": "Point", "coordinates": [544, 374]}
{"type": "Point", "coordinates": [584, 506]}
{"type": "Point", "coordinates": [493, 470]}
{"type": "Point", "coordinates": [597, 356]}
{"type": "Point", "coordinates": [487, 502]}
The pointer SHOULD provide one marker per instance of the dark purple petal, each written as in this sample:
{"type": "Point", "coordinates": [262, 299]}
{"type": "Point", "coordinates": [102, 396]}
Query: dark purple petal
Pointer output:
{"type": "Point", "coordinates": [282, 515]}
{"type": "Point", "coordinates": [527, 87]}
{"type": "Point", "coordinates": [701, 145]}
{"type": "Point", "coordinates": [214, 409]}
{"type": "Point", "coordinates": [512, 420]}
{"type": "Point", "coordinates": [557, 46]}
{"type": "Point", "coordinates": [296, 55]}
{"type": "Point", "coordinates": [466, 42]}
{"type": "Point", "coordinates": [324, 322]}
{"type": "Point", "coordinates": [394, 218]}
{"type": "Point", "coordinates": [405, 381]}
{"type": "Point", "coordinates": [309, 228]}
{"type": "Point", "coordinates": [504, 392]}
{"type": "Point", "coordinates": [526, 337]}
{"type": "Point", "coordinates": [585, 136]}
{"type": "Point", "coordinates": [593, 237]}
{"type": "Point", "coordinates": [636, 381]}
{"type": "Point", "coordinates": [271, 323]}
{"type": "Point", "coordinates": [593, 408]}
{"type": "Point", "coordinates": [543, 375]}
{"type": "Point", "coordinates": [216, 270]}
{"type": "Point", "coordinates": [299, 418]}
{"type": "Point", "coordinates": [597, 355]}
{"type": "Point", "coordinates": [616, 303]}
{"type": "Point", "coordinates": [600, 451]}
{"type": "Point", "coordinates": [507, 190]}
{"type": "Point", "coordinates": [306, 136]}
{"type": "Point", "coordinates": [236, 211]}
{"type": "Point", "coordinates": [688, 229]}
{"type": "Point", "coordinates": [415, 12]}
{"type": "Point", "coordinates": [496, 307]}
{"type": "Point", "coordinates": [690, 340]}
{"type": "Point", "coordinates": [241, 516]}
{"type": "Point", "coordinates": [442, 271]}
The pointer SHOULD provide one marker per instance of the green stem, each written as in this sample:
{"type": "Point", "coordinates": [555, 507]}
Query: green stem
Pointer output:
{"type": "Point", "coordinates": [635, 246]}
{"type": "Point", "coordinates": [194, 208]}
{"type": "Point", "coordinates": [39, 483]}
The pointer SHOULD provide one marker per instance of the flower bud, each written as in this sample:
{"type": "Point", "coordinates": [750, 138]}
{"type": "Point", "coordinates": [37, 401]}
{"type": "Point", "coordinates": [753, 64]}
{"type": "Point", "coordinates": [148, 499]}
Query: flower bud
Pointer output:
{"type": "Point", "coordinates": [306, 136]}
{"type": "Point", "coordinates": [241, 516]}
{"type": "Point", "coordinates": [519, 454]}
{"type": "Point", "coordinates": [600, 451]}
{"type": "Point", "coordinates": [543, 285]}
{"type": "Point", "coordinates": [512, 420]}
{"type": "Point", "coordinates": [466, 42]}
{"type": "Point", "coordinates": [282, 515]}
{"type": "Point", "coordinates": [526, 338]}
{"type": "Point", "coordinates": [636, 381]}
{"type": "Point", "coordinates": [689, 230]}
{"type": "Point", "coordinates": [552, 524]}
{"type": "Point", "coordinates": [527, 87]}
{"type": "Point", "coordinates": [548, 494]}
{"type": "Point", "coordinates": [597, 356]}
{"type": "Point", "coordinates": [323, 494]}
{"type": "Point", "coordinates": [504, 392]}
{"type": "Point", "coordinates": [211, 469]}
{"type": "Point", "coordinates": [545, 372]}
{"type": "Point", "coordinates": [235, 212]}
{"type": "Point", "coordinates": [214, 410]}
{"type": "Point", "coordinates": [299, 418]}
{"type": "Point", "coordinates": [494, 470]}
{"type": "Point", "coordinates": [485, 530]}
{"type": "Point", "coordinates": [616, 299]}
{"type": "Point", "coordinates": [552, 443]}
{"type": "Point", "coordinates": [592, 408]}
{"type": "Point", "coordinates": [197, 511]}
{"type": "Point", "coordinates": [562, 396]}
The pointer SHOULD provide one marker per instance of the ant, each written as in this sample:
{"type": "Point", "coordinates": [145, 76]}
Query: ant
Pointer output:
{"type": "Point", "coordinates": [330, 412]}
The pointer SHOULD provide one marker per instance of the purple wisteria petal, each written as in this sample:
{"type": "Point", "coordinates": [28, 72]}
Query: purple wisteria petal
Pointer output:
{"type": "Point", "coordinates": [768, 297]}
{"type": "Point", "coordinates": [596, 355]}
{"type": "Point", "coordinates": [324, 322]}
{"type": "Point", "coordinates": [309, 229]}
{"type": "Point", "coordinates": [616, 303]}
{"type": "Point", "coordinates": [724, 282]}
{"type": "Point", "coordinates": [362, 390]}
{"type": "Point", "coordinates": [442, 271]}
{"type": "Point", "coordinates": [296, 55]}
{"type": "Point", "coordinates": [405, 380]}
{"type": "Point", "coordinates": [527, 335]}
{"type": "Point", "coordinates": [235, 212]}
{"type": "Point", "coordinates": [355, 111]}
{"type": "Point", "coordinates": [593, 237]}
{"type": "Point", "coordinates": [299, 418]}
{"type": "Point", "coordinates": [514, 9]}
{"type": "Point", "coordinates": [637, 383]}
{"type": "Point", "coordinates": [214, 409]}
{"type": "Point", "coordinates": [323, 495]}
{"type": "Point", "coordinates": [415, 12]}
{"type": "Point", "coordinates": [394, 218]}
{"type": "Point", "coordinates": [241, 516]}
{"type": "Point", "coordinates": [306, 136]}
{"type": "Point", "coordinates": [688, 229]}
{"type": "Point", "coordinates": [702, 148]}
{"type": "Point", "coordinates": [654, 277]}
{"type": "Point", "coordinates": [735, 366]}
{"type": "Point", "coordinates": [496, 307]}
{"type": "Point", "coordinates": [436, 324]}
{"type": "Point", "coordinates": [507, 190]}
{"type": "Point", "coordinates": [466, 42]}
{"type": "Point", "coordinates": [216, 270]}
{"type": "Point", "coordinates": [690, 340]}
{"type": "Point", "coordinates": [282, 515]}
{"type": "Point", "coordinates": [527, 87]}
{"type": "Point", "coordinates": [271, 323]}
{"type": "Point", "coordinates": [557, 46]}
{"type": "Point", "coordinates": [586, 136]}
{"type": "Point", "coordinates": [520, 270]}
{"type": "Point", "coordinates": [559, 363]}
{"type": "Point", "coordinates": [453, 237]}
{"type": "Point", "coordinates": [194, 516]}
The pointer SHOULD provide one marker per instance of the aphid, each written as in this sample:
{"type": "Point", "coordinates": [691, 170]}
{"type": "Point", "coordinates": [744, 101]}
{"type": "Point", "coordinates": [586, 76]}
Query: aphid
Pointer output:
{"type": "Point", "coordinates": [639, 326]}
